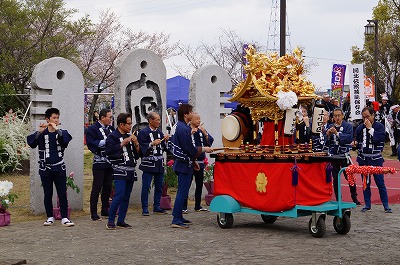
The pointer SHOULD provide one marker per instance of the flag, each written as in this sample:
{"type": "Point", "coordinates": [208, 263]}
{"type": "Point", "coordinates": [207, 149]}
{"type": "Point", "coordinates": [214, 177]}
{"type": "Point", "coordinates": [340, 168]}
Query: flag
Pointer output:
{"type": "Point", "coordinates": [357, 90]}
{"type": "Point", "coordinates": [338, 73]}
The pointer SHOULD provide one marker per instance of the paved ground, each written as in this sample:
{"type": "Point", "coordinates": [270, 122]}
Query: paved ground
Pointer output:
{"type": "Point", "coordinates": [373, 239]}
{"type": "Point", "coordinates": [391, 181]}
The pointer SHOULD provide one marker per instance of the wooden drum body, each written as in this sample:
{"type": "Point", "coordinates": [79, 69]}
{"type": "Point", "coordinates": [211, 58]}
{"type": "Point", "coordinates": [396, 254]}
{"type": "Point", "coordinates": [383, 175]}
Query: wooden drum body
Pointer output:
{"type": "Point", "coordinates": [236, 129]}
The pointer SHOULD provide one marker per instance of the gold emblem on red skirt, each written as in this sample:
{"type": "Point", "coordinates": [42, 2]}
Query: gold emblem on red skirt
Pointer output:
{"type": "Point", "coordinates": [261, 182]}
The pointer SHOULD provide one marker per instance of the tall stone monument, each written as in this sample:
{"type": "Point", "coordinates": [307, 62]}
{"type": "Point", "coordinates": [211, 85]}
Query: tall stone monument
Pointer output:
{"type": "Point", "coordinates": [207, 87]}
{"type": "Point", "coordinates": [140, 78]}
{"type": "Point", "coordinates": [58, 83]}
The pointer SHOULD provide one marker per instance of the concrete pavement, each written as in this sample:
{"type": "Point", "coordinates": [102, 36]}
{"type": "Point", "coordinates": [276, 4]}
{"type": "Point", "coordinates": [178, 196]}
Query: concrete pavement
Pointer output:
{"type": "Point", "coordinates": [373, 239]}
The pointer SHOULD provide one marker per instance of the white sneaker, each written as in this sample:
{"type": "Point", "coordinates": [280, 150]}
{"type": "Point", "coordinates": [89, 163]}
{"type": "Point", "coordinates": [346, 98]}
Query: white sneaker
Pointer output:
{"type": "Point", "coordinates": [66, 222]}
{"type": "Point", "coordinates": [49, 222]}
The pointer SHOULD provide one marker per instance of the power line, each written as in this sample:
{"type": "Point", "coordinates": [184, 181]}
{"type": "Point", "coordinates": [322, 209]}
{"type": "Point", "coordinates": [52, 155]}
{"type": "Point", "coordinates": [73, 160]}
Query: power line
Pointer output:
{"type": "Point", "coordinates": [153, 9]}
{"type": "Point", "coordinates": [166, 9]}
{"type": "Point", "coordinates": [327, 59]}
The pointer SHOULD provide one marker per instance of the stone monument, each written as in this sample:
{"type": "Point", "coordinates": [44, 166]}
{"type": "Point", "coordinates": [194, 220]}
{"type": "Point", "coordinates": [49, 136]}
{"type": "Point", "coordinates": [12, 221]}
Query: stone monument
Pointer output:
{"type": "Point", "coordinates": [207, 87]}
{"type": "Point", "coordinates": [58, 83]}
{"type": "Point", "coordinates": [140, 78]}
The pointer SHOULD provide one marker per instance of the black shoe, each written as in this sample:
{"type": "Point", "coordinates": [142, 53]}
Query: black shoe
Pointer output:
{"type": "Point", "coordinates": [124, 225]}
{"type": "Point", "coordinates": [187, 222]}
{"type": "Point", "coordinates": [365, 209]}
{"type": "Point", "coordinates": [388, 210]}
{"type": "Point", "coordinates": [161, 211]}
{"type": "Point", "coordinates": [110, 226]}
{"type": "Point", "coordinates": [95, 218]}
{"type": "Point", "coordinates": [104, 213]}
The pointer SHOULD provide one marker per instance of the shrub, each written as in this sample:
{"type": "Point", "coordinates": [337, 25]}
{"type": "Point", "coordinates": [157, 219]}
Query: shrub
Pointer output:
{"type": "Point", "coordinates": [13, 146]}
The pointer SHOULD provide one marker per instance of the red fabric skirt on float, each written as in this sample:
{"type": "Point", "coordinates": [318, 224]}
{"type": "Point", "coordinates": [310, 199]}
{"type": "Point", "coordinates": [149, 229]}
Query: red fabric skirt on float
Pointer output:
{"type": "Point", "coordinates": [268, 186]}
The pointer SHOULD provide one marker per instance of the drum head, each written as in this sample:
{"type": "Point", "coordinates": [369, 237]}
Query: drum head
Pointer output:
{"type": "Point", "coordinates": [230, 128]}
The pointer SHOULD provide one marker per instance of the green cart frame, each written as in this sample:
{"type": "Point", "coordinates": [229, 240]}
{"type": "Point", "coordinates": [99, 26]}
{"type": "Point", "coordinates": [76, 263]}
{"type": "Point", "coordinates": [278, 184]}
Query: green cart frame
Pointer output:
{"type": "Point", "coordinates": [226, 206]}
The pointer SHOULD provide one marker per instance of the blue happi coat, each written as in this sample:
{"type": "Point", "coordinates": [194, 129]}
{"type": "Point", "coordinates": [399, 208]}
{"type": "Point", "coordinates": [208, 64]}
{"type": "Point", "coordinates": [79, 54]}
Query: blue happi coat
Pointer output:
{"type": "Point", "coordinates": [96, 136]}
{"type": "Point", "coordinates": [183, 150]}
{"type": "Point", "coordinates": [200, 139]}
{"type": "Point", "coordinates": [123, 159]}
{"type": "Point", "coordinates": [51, 146]}
{"type": "Point", "coordinates": [152, 156]}
{"type": "Point", "coordinates": [341, 144]}
{"type": "Point", "coordinates": [370, 143]}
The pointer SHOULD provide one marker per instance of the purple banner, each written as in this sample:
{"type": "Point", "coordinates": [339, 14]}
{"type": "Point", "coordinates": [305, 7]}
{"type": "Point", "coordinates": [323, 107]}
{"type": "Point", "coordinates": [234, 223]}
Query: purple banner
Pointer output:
{"type": "Point", "coordinates": [337, 84]}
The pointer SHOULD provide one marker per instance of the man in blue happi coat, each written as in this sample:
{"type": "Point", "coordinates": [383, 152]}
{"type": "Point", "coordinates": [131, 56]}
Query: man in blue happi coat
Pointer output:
{"type": "Point", "coordinates": [152, 144]}
{"type": "Point", "coordinates": [370, 140]}
{"type": "Point", "coordinates": [122, 150]}
{"type": "Point", "coordinates": [51, 142]}
{"type": "Point", "coordinates": [96, 136]}
{"type": "Point", "coordinates": [185, 154]}
{"type": "Point", "coordinates": [339, 136]}
{"type": "Point", "coordinates": [200, 137]}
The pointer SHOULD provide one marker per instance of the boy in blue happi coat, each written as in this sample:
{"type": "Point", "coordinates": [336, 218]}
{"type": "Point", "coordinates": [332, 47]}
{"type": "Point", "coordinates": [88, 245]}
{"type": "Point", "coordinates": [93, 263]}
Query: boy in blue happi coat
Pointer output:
{"type": "Point", "coordinates": [51, 142]}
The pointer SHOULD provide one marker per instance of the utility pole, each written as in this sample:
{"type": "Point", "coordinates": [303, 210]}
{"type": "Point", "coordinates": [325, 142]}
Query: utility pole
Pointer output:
{"type": "Point", "coordinates": [282, 31]}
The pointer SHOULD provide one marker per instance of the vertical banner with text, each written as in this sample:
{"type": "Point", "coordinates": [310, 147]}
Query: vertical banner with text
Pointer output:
{"type": "Point", "coordinates": [357, 90]}
{"type": "Point", "coordinates": [338, 73]}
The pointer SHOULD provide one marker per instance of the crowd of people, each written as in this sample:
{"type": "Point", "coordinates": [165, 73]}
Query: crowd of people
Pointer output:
{"type": "Point", "coordinates": [116, 153]}
{"type": "Point", "coordinates": [339, 135]}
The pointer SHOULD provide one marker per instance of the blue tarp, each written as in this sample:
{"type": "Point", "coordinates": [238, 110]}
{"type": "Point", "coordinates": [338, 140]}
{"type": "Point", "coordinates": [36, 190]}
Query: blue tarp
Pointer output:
{"type": "Point", "coordinates": [178, 92]}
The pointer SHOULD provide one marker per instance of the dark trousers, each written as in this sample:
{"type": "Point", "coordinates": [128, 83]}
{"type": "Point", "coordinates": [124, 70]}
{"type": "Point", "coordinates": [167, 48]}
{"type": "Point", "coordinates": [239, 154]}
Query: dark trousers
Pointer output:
{"type": "Point", "coordinates": [59, 179]}
{"type": "Point", "coordinates": [120, 202]}
{"type": "Point", "coordinates": [184, 181]}
{"type": "Point", "coordinates": [198, 179]}
{"type": "Point", "coordinates": [379, 181]}
{"type": "Point", "coordinates": [146, 182]}
{"type": "Point", "coordinates": [102, 182]}
{"type": "Point", "coordinates": [335, 170]}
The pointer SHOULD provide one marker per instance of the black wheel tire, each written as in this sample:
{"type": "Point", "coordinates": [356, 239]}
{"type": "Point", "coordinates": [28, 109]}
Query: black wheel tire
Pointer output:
{"type": "Point", "coordinates": [268, 219]}
{"type": "Point", "coordinates": [342, 225]}
{"type": "Point", "coordinates": [227, 222]}
{"type": "Point", "coordinates": [319, 230]}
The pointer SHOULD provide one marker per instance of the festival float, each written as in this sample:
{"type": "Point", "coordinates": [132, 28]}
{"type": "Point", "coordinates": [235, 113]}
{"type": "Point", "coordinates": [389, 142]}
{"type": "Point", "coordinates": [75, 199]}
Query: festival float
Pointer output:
{"type": "Point", "coordinates": [264, 168]}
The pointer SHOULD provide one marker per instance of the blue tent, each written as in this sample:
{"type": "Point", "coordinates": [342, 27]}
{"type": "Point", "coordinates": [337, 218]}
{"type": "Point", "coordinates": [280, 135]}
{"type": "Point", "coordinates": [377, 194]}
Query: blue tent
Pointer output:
{"type": "Point", "coordinates": [178, 92]}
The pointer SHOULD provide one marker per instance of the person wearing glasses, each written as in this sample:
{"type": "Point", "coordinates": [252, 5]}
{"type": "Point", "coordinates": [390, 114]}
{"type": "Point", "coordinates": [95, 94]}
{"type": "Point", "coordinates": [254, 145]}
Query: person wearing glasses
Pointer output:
{"type": "Point", "coordinates": [122, 150]}
{"type": "Point", "coordinates": [370, 140]}
{"type": "Point", "coordinates": [339, 136]}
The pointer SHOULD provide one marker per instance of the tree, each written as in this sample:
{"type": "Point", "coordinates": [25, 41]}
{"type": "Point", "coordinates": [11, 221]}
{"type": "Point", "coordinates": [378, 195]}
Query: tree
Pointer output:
{"type": "Point", "coordinates": [227, 53]}
{"type": "Point", "coordinates": [31, 31]}
{"type": "Point", "coordinates": [109, 41]}
{"type": "Point", "coordinates": [387, 12]}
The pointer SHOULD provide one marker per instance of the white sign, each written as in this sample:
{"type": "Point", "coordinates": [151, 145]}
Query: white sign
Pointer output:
{"type": "Point", "coordinates": [357, 90]}
{"type": "Point", "coordinates": [318, 120]}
